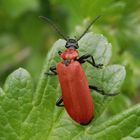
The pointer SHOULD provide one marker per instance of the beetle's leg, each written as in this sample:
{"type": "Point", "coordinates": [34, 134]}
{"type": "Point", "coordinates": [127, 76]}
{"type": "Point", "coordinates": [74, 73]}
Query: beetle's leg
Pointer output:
{"type": "Point", "coordinates": [59, 52]}
{"type": "Point", "coordinates": [84, 58]}
{"type": "Point", "coordinates": [101, 91]}
{"type": "Point", "coordinates": [53, 71]}
{"type": "Point", "coordinates": [59, 101]}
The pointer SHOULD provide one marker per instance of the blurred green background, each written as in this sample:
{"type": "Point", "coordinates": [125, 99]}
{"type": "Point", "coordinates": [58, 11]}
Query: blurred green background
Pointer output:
{"type": "Point", "coordinates": [25, 39]}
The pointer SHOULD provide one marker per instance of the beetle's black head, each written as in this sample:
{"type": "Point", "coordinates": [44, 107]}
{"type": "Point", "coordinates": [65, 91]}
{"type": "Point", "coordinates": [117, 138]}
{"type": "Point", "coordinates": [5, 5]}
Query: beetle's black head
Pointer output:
{"type": "Point", "coordinates": [72, 43]}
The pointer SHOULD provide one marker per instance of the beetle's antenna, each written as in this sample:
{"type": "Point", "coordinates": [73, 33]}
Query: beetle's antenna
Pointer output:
{"type": "Point", "coordinates": [88, 27]}
{"type": "Point", "coordinates": [54, 26]}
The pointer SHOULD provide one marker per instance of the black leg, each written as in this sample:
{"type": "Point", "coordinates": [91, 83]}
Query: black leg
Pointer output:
{"type": "Point", "coordinates": [84, 58]}
{"type": "Point", "coordinates": [59, 52]}
{"type": "Point", "coordinates": [101, 91]}
{"type": "Point", "coordinates": [53, 71]}
{"type": "Point", "coordinates": [59, 101]}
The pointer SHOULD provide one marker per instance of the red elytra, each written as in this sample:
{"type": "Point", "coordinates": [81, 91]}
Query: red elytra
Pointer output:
{"type": "Point", "coordinates": [75, 92]}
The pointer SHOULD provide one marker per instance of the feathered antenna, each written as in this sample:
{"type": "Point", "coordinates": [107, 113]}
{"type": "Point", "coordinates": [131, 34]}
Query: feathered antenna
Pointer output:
{"type": "Point", "coordinates": [54, 26]}
{"type": "Point", "coordinates": [88, 27]}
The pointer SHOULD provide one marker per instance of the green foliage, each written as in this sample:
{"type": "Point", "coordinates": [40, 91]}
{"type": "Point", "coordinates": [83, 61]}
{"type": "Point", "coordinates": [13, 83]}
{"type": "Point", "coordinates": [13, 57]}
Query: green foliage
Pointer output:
{"type": "Point", "coordinates": [24, 41]}
{"type": "Point", "coordinates": [15, 8]}
{"type": "Point", "coordinates": [25, 115]}
{"type": "Point", "coordinates": [15, 104]}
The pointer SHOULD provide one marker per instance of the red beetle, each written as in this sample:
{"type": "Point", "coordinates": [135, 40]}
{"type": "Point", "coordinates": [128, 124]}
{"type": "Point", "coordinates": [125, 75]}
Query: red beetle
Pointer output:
{"type": "Point", "coordinates": [75, 89]}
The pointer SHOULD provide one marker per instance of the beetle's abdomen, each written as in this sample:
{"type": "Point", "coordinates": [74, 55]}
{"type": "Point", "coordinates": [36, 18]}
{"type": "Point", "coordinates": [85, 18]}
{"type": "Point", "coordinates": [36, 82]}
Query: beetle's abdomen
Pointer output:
{"type": "Point", "coordinates": [75, 92]}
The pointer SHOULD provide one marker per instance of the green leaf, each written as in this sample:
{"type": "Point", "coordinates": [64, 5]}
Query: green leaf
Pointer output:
{"type": "Point", "coordinates": [40, 118]}
{"type": "Point", "coordinates": [124, 126]}
{"type": "Point", "coordinates": [118, 104]}
{"type": "Point", "coordinates": [15, 104]}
